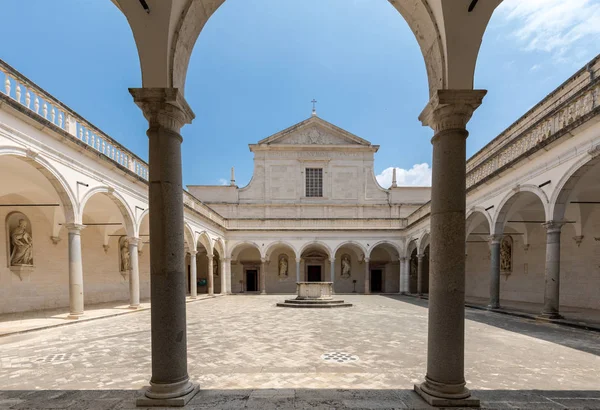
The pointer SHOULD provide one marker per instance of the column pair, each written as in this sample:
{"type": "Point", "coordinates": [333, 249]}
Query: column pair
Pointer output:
{"type": "Point", "coordinates": [448, 113]}
{"type": "Point", "coordinates": [166, 111]}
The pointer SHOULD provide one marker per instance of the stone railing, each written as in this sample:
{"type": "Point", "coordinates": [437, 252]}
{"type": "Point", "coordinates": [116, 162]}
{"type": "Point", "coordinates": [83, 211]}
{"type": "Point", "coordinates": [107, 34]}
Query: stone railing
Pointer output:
{"type": "Point", "coordinates": [312, 224]}
{"type": "Point", "coordinates": [194, 203]}
{"type": "Point", "coordinates": [574, 99]}
{"type": "Point", "coordinates": [40, 103]}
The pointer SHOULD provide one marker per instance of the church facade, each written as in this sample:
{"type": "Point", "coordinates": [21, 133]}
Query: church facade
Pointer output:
{"type": "Point", "coordinates": [75, 209]}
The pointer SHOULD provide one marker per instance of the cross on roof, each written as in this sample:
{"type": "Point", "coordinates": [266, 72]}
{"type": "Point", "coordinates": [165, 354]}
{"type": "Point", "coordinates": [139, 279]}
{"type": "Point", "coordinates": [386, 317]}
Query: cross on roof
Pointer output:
{"type": "Point", "coordinates": [314, 111]}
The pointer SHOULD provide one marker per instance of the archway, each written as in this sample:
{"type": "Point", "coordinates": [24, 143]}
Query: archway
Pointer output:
{"type": "Point", "coordinates": [349, 269]}
{"type": "Point", "coordinates": [246, 264]}
{"type": "Point", "coordinates": [477, 266]}
{"type": "Point", "coordinates": [36, 193]}
{"type": "Point", "coordinates": [384, 266]}
{"type": "Point", "coordinates": [316, 257]}
{"type": "Point", "coordinates": [282, 269]}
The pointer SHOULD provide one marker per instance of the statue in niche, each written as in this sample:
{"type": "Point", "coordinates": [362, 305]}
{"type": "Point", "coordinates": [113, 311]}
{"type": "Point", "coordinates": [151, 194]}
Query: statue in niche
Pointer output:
{"type": "Point", "coordinates": [506, 254]}
{"type": "Point", "coordinates": [215, 267]}
{"type": "Point", "coordinates": [21, 245]}
{"type": "Point", "coordinates": [125, 255]}
{"type": "Point", "coordinates": [346, 267]}
{"type": "Point", "coordinates": [283, 266]}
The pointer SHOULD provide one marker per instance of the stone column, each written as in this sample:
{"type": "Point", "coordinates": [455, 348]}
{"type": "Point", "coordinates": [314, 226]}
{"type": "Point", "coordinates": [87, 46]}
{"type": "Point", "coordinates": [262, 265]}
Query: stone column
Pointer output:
{"type": "Point", "coordinates": [447, 113]}
{"type": "Point", "coordinates": [367, 277]}
{"type": "Point", "coordinates": [166, 111]}
{"type": "Point", "coordinates": [228, 274]}
{"type": "Point", "coordinates": [193, 275]}
{"type": "Point", "coordinates": [263, 277]}
{"type": "Point", "coordinates": [420, 274]}
{"type": "Point", "coordinates": [552, 274]}
{"type": "Point", "coordinates": [402, 278]}
{"type": "Point", "coordinates": [332, 273]}
{"type": "Point", "coordinates": [211, 277]}
{"type": "Point", "coordinates": [75, 271]}
{"type": "Point", "coordinates": [223, 277]}
{"type": "Point", "coordinates": [134, 275]}
{"type": "Point", "coordinates": [495, 241]}
{"type": "Point", "coordinates": [407, 275]}
{"type": "Point", "coordinates": [298, 260]}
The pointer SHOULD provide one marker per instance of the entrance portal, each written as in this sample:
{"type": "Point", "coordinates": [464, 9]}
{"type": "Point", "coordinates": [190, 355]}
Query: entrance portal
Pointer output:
{"type": "Point", "coordinates": [313, 273]}
{"type": "Point", "coordinates": [376, 280]}
{"type": "Point", "coordinates": [251, 280]}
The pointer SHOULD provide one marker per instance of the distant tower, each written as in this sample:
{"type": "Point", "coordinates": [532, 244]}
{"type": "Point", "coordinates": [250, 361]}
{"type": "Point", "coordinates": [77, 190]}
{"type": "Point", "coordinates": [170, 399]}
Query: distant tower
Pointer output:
{"type": "Point", "coordinates": [314, 111]}
{"type": "Point", "coordinates": [394, 184]}
{"type": "Point", "coordinates": [232, 176]}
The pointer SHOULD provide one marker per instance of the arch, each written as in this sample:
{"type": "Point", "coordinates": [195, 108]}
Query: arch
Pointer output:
{"type": "Point", "coordinates": [506, 203]}
{"type": "Point", "coordinates": [234, 251]}
{"type": "Point", "coordinates": [271, 247]}
{"type": "Point", "coordinates": [385, 242]}
{"type": "Point", "coordinates": [118, 200]}
{"type": "Point", "coordinates": [141, 219]}
{"type": "Point", "coordinates": [165, 39]}
{"type": "Point", "coordinates": [475, 217]}
{"type": "Point", "coordinates": [219, 246]}
{"type": "Point", "coordinates": [188, 233]}
{"type": "Point", "coordinates": [319, 244]}
{"type": "Point", "coordinates": [204, 240]}
{"type": "Point", "coordinates": [60, 184]}
{"type": "Point", "coordinates": [423, 242]}
{"type": "Point", "coordinates": [410, 245]}
{"type": "Point", "coordinates": [564, 189]}
{"type": "Point", "coordinates": [352, 244]}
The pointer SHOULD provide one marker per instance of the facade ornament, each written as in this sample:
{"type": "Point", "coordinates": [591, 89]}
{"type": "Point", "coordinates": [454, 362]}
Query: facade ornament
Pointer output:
{"type": "Point", "coordinates": [578, 240]}
{"type": "Point", "coordinates": [106, 247]}
{"type": "Point", "coordinates": [283, 266]}
{"type": "Point", "coordinates": [21, 242]}
{"type": "Point", "coordinates": [526, 247]}
{"type": "Point", "coordinates": [125, 256]}
{"type": "Point", "coordinates": [595, 151]}
{"type": "Point", "coordinates": [55, 239]}
{"type": "Point", "coordinates": [346, 271]}
{"type": "Point", "coordinates": [31, 153]}
{"type": "Point", "coordinates": [215, 265]}
{"type": "Point", "coordinates": [506, 255]}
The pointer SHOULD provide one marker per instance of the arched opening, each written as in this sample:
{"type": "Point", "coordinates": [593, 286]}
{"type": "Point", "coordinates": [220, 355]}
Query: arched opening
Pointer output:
{"type": "Point", "coordinates": [423, 266]}
{"type": "Point", "coordinates": [315, 260]}
{"type": "Point", "coordinates": [384, 266]}
{"type": "Point", "coordinates": [477, 266]}
{"type": "Point", "coordinates": [349, 268]}
{"type": "Point", "coordinates": [281, 268]}
{"type": "Point", "coordinates": [32, 192]}
{"type": "Point", "coordinates": [413, 263]}
{"type": "Point", "coordinates": [105, 247]}
{"type": "Point", "coordinates": [521, 217]}
{"type": "Point", "coordinates": [204, 259]}
{"type": "Point", "coordinates": [245, 268]}
{"type": "Point", "coordinates": [578, 202]}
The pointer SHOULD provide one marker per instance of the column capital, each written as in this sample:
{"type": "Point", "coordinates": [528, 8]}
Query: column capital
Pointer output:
{"type": "Point", "coordinates": [264, 260]}
{"type": "Point", "coordinates": [163, 107]}
{"type": "Point", "coordinates": [210, 257]}
{"type": "Point", "coordinates": [331, 260]}
{"type": "Point", "coordinates": [403, 258]}
{"type": "Point", "coordinates": [451, 109]}
{"type": "Point", "coordinates": [420, 256]}
{"type": "Point", "coordinates": [553, 226]}
{"type": "Point", "coordinates": [74, 228]}
{"type": "Point", "coordinates": [298, 260]}
{"type": "Point", "coordinates": [193, 253]}
{"type": "Point", "coordinates": [495, 239]}
{"type": "Point", "coordinates": [133, 240]}
{"type": "Point", "coordinates": [367, 260]}
{"type": "Point", "coordinates": [227, 259]}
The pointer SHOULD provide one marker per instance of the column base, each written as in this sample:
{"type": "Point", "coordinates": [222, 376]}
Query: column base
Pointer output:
{"type": "Point", "coordinates": [179, 401]}
{"type": "Point", "coordinates": [434, 401]}
{"type": "Point", "coordinates": [550, 315]}
{"type": "Point", "coordinates": [493, 306]}
{"type": "Point", "coordinates": [193, 297]}
{"type": "Point", "coordinates": [74, 316]}
{"type": "Point", "coordinates": [134, 307]}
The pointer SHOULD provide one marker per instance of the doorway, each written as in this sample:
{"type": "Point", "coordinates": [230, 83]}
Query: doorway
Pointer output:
{"type": "Point", "coordinates": [252, 280]}
{"type": "Point", "coordinates": [313, 273]}
{"type": "Point", "coordinates": [376, 280]}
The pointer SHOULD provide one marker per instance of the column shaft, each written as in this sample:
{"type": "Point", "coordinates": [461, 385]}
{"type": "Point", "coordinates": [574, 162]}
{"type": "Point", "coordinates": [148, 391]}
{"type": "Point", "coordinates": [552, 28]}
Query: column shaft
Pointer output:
{"type": "Point", "coordinates": [367, 277]}
{"type": "Point", "coordinates": [298, 260]}
{"type": "Point", "coordinates": [420, 273]}
{"type": "Point", "coordinates": [223, 277]}
{"type": "Point", "coordinates": [211, 278]}
{"type": "Point", "coordinates": [228, 270]}
{"type": "Point", "coordinates": [134, 275]}
{"type": "Point", "coordinates": [402, 274]}
{"type": "Point", "coordinates": [263, 277]}
{"type": "Point", "coordinates": [552, 273]}
{"type": "Point", "coordinates": [495, 241]}
{"type": "Point", "coordinates": [75, 271]}
{"type": "Point", "coordinates": [193, 274]}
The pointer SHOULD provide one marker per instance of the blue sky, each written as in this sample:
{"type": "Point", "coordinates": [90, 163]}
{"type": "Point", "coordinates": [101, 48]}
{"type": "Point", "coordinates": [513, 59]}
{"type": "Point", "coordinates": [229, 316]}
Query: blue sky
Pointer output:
{"type": "Point", "coordinates": [259, 63]}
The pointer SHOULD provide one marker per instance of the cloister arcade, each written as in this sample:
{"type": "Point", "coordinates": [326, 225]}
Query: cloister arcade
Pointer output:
{"type": "Point", "coordinates": [531, 198]}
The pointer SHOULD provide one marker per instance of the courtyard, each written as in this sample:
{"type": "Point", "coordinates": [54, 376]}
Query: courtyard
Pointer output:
{"type": "Point", "coordinates": [244, 351]}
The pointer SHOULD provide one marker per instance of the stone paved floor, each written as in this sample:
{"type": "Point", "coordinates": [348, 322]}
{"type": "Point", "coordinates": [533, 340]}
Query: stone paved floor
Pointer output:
{"type": "Point", "coordinates": [246, 352]}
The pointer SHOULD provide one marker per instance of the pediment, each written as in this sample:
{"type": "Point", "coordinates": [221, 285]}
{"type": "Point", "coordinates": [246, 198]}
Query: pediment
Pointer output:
{"type": "Point", "coordinates": [314, 131]}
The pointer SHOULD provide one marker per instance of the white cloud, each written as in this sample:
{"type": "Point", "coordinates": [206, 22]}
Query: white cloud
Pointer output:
{"type": "Point", "coordinates": [418, 175]}
{"type": "Point", "coordinates": [553, 26]}
{"type": "Point", "coordinates": [223, 181]}
{"type": "Point", "coordinates": [535, 67]}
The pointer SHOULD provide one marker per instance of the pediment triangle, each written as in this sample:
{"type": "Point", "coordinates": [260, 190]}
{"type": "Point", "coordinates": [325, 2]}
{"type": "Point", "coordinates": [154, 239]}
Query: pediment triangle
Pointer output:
{"type": "Point", "coordinates": [314, 131]}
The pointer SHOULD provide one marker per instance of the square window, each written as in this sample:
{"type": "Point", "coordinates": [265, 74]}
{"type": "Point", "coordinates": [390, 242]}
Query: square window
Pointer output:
{"type": "Point", "coordinates": [314, 182]}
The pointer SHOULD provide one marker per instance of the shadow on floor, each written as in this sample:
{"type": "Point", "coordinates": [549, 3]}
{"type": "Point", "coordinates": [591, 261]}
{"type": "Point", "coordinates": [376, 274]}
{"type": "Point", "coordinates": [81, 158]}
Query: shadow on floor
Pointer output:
{"type": "Point", "coordinates": [583, 340]}
{"type": "Point", "coordinates": [296, 399]}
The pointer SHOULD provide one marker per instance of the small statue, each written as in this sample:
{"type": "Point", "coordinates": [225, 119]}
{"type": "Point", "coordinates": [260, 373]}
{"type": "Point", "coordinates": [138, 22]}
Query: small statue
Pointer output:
{"type": "Point", "coordinates": [215, 267]}
{"type": "Point", "coordinates": [125, 256]}
{"type": "Point", "coordinates": [283, 266]}
{"type": "Point", "coordinates": [22, 251]}
{"type": "Point", "coordinates": [346, 267]}
{"type": "Point", "coordinates": [506, 254]}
